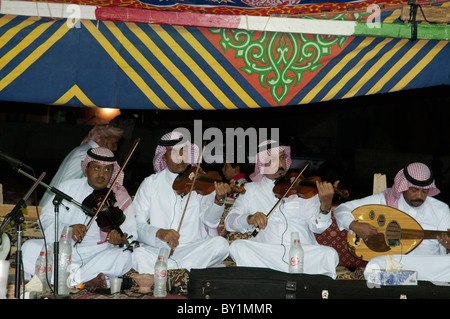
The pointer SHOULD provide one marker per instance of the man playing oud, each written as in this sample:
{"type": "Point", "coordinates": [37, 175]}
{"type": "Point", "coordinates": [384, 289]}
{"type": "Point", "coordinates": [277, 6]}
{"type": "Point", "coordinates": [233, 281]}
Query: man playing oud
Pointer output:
{"type": "Point", "coordinates": [411, 193]}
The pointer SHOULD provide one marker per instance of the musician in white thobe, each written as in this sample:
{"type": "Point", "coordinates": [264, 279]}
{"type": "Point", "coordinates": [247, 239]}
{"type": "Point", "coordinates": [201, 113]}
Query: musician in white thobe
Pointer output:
{"type": "Point", "coordinates": [159, 215]}
{"type": "Point", "coordinates": [270, 247]}
{"type": "Point", "coordinates": [70, 168]}
{"type": "Point", "coordinates": [413, 196]}
{"type": "Point", "coordinates": [95, 254]}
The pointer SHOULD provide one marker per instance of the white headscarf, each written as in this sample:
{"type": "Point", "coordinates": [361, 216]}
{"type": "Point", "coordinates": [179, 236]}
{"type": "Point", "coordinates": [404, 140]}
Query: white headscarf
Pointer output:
{"type": "Point", "coordinates": [175, 140]}
{"type": "Point", "coordinates": [266, 153]}
{"type": "Point", "coordinates": [415, 174]}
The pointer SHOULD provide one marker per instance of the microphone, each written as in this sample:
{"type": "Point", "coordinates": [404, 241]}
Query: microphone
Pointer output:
{"type": "Point", "coordinates": [14, 162]}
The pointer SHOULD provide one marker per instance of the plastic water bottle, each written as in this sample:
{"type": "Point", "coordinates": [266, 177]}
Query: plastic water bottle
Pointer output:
{"type": "Point", "coordinates": [160, 276]}
{"type": "Point", "coordinates": [49, 263]}
{"type": "Point", "coordinates": [64, 261]}
{"type": "Point", "coordinates": [42, 268]}
{"type": "Point", "coordinates": [296, 254]}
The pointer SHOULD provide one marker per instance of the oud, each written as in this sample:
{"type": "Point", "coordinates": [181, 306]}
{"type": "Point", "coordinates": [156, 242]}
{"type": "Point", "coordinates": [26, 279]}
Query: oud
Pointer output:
{"type": "Point", "coordinates": [398, 233]}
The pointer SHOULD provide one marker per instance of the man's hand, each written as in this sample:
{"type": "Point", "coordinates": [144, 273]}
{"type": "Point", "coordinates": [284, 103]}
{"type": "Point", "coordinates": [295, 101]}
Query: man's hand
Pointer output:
{"type": "Point", "coordinates": [115, 238]}
{"type": "Point", "coordinates": [170, 236]}
{"type": "Point", "coordinates": [363, 230]}
{"type": "Point", "coordinates": [444, 239]}
{"type": "Point", "coordinates": [326, 193]}
{"type": "Point", "coordinates": [258, 219]}
{"type": "Point", "coordinates": [222, 189]}
{"type": "Point", "coordinates": [78, 232]}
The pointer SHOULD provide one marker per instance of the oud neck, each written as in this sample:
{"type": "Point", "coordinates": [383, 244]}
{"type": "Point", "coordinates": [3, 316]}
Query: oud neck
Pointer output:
{"type": "Point", "coordinates": [423, 234]}
{"type": "Point", "coordinates": [432, 234]}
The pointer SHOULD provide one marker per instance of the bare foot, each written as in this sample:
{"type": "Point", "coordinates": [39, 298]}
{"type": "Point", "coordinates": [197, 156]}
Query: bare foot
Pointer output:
{"type": "Point", "coordinates": [98, 282]}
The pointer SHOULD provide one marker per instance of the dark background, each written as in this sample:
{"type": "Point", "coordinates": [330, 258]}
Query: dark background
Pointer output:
{"type": "Point", "coordinates": [352, 139]}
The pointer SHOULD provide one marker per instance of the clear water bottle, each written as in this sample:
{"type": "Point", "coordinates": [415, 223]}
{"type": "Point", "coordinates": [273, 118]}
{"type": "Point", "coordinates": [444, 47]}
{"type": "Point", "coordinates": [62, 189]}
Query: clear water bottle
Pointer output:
{"type": "Point", "coordinates": [160, 276]}
{"type": "Point", "coordinates": [42, 267]}
{"type": "Point", "coordinates": [296, 254]}
{"type": "Point", "coordinates": [64, 261]}
{"type": "Point", "coordinates": [49, 254]}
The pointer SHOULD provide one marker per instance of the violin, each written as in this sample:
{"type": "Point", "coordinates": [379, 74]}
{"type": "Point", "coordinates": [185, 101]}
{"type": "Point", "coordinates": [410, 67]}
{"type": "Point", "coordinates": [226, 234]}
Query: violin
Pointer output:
{"type": "Point", "coordinates": [109, 217]}
{"type": "Point", "coordinates": [109, 214]}
{"type": "Point", "coordinates": [304, 187]}
{"type": "Point", "coordinates": [204, 182]}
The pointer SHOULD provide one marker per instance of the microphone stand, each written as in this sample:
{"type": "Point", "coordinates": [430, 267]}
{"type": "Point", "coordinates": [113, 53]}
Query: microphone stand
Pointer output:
{"type": "Point", "coordinates": [56, 201]}
{"type": "Point", "coordinates": [59, 196]}
{"type": "Point", "coordinates": [18, 218]}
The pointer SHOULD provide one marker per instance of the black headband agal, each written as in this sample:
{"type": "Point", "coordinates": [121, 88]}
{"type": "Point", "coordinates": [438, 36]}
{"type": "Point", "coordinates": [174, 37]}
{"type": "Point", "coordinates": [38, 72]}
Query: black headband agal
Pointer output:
{"type": "Point", "coordinates": [169, 142]}
{"type": "Point", "coordinates": [415, 181]}
{"type": "Point", "coordinates": [101, 158]}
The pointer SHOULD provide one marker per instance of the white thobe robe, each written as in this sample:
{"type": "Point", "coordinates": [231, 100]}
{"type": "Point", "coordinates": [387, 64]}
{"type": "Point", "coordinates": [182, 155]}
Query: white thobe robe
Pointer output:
{"type": "Point", "coordinates": [270, 248]}
{"type": "Point", "coordinates": [157, 206]}
{"type": "Point", "coordinates": [93, 255]}
{"type": "Point", "coordinates": [429, 258]}
{"type": "Point", "coordinates": [70, 168]}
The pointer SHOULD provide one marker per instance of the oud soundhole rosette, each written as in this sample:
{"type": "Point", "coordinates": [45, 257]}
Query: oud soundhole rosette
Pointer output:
{"type": "Point", "coordinates": [393, 234]}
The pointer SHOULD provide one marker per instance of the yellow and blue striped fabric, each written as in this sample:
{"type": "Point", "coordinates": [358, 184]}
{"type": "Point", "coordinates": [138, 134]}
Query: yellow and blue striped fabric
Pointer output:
{"type": "Point", "coordinates": [141, 66]}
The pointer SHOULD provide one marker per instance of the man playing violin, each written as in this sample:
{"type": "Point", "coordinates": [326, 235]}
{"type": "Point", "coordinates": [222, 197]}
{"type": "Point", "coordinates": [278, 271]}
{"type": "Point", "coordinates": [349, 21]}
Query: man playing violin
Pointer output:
{"type": "Point", "coordinates": [413, 193]}
{"type": "Point", "coordinates": [177, 222]}
{"type": "Point", "coordinates": [99, 136]}
{"type": "Point", "coordinates": [95, 257]}
{"type": "Point", "coordinates": [270, 248]}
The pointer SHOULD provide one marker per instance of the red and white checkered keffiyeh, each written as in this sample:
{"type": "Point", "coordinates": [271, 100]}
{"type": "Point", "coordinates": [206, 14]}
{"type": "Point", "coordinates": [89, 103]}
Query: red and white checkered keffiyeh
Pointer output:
{"type": "Point", "coordinates": [419, 172]}
{"type": "Point", "coordinates": [104, 156]}
{"type": "Point", "coordinates": [102, 131]}
{"type": "Point", "coordinates": [270, 154]}
{"type": "Point", "coordinates": [159, 163]}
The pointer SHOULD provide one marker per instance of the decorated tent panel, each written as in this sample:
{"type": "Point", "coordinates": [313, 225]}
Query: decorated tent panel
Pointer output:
{"type": "Point", "coordinates": [162, 66]}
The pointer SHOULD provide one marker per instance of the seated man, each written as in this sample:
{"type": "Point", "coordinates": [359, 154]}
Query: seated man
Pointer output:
{"type": "Point", "coordinates": [270, 248]}
{"type": "Point", "coordinates": [95, 257]}
{"type": "Point", "coordinates": [165, 219]}
{"type": "Point", "coordinates": [99, 136]}
{"type": "Point", "coordinates": [412, 193]}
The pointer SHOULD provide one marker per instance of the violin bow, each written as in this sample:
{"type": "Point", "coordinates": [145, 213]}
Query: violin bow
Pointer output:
{"type": "Point", "coordinates": [190, 192]}
{"type": "Point", "coordinates": [133, 148]}
{"type": "Point", "coordinates": [256, 231]}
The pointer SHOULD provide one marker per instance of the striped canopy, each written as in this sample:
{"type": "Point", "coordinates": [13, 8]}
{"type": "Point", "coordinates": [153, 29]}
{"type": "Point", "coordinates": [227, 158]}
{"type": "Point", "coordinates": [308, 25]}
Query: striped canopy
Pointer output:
{"type": "Point", "coordinates": [101, 63]}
